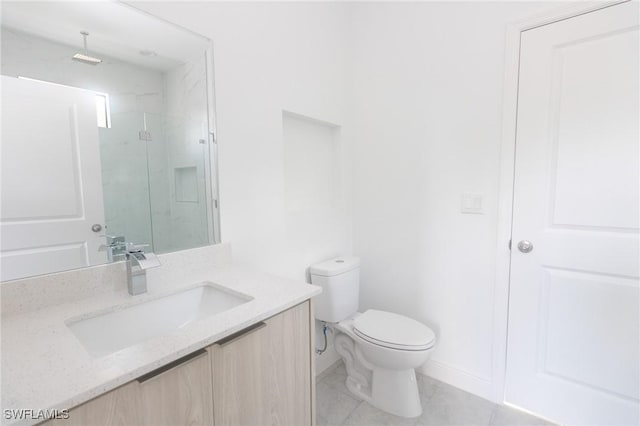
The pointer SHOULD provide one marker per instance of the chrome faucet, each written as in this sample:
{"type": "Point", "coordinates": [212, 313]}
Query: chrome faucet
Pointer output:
{"type": "Point", "coordinates": [115, 247]}
{"type": "Point", "coordinates": [137, 264]}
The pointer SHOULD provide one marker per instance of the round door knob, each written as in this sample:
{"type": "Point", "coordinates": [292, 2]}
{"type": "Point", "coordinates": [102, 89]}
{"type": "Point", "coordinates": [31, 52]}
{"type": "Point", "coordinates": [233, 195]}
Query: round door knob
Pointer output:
{"type": "Point", "coordinates": [525, 246]}
{"type": "Point", "coordinates": [96, 227]}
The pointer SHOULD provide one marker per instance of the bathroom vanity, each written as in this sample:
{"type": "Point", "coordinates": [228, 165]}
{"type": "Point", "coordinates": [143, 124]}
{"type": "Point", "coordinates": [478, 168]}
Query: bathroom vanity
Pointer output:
{"type": "Point", "coordinates": [249, 362]}
{"type": "Point", "coordinates": [259, 375]}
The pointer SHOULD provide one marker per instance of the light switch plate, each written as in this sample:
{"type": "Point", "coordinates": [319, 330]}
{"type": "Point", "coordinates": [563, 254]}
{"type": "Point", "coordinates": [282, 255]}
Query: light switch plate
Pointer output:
{"type": "Point", "coordinates": [472, 204]}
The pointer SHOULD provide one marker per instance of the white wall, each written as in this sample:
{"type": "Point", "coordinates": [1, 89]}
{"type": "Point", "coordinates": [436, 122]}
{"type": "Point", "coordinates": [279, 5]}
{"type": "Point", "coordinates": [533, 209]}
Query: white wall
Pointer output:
{"type": "Point", "coordinates": [424, 84]}
{"type": "Point", "coordinates": [270, 58]}
{"type": "Point", "coordinates": [428, 89]}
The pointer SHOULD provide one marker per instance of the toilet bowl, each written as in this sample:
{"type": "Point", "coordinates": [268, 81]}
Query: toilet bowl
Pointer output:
{"type": "Point", "coordinates": [381, 365]}
{"type": "Point", "coordinates": [380, 349]}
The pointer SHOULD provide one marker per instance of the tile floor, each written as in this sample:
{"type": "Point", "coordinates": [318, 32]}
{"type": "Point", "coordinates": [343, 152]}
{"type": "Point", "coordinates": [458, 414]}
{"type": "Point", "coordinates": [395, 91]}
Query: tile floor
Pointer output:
{"type": "Point", "coordinates": [442, 405]}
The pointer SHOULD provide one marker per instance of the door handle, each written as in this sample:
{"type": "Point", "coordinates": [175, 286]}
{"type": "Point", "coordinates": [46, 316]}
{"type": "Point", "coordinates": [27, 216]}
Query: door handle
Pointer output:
{"type": "Point", "coordinates": [525, 246]}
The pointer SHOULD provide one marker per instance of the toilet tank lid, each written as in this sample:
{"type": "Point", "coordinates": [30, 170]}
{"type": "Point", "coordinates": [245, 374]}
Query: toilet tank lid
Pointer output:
{"type": "Point", "coordinates": [335, 266]}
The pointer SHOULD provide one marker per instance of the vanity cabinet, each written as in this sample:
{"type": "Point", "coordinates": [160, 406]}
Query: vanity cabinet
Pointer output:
{"type": "Point", "coordinates": [176, 394]}
{"type": "Point", "coordinates": [261, 375]}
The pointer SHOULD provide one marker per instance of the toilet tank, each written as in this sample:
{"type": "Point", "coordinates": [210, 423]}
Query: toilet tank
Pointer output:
{"type": "Point", "coordinates": [340, 282]}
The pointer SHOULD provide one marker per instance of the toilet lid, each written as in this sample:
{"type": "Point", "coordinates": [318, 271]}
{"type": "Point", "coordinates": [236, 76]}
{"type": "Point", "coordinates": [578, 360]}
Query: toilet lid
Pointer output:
{"type": "Point", "coordinates": [393, 331]}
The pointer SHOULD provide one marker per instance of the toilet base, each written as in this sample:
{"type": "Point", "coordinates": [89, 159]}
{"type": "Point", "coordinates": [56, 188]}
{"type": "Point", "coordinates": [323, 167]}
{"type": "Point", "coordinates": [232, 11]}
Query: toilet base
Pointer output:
{"type": "Point", "coordinates": [393, 391]}
{"type": "Point", "coordinates": [396, 392]}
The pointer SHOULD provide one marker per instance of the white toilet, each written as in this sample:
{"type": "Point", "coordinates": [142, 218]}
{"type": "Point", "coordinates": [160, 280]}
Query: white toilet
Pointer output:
{"type": "Point", "coordinates": [380, 349]}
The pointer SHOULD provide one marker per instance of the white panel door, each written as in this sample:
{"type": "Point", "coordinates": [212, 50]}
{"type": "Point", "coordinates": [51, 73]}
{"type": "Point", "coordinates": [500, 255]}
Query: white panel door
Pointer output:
{"type": "Point", "coordinates": [573, 342]}
{"type": "Point", "coordinates": [51, 182]}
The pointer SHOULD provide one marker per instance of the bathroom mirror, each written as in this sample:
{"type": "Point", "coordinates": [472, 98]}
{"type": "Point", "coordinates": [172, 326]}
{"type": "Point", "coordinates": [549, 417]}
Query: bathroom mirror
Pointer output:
{"type": "Point", "coordinates": [107, 134]}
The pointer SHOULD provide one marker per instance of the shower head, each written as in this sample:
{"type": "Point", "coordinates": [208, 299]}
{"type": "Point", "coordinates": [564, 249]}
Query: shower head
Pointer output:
{"type": "Point", "coordinates": [84, 57]}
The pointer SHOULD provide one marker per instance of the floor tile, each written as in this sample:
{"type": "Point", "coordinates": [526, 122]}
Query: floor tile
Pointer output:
{"type": "Point", "coordinates": [366, 414]}
{"type": "Point", "coordinates": [507, 416]}
{"type": "Point", "coordinates": [328, 370]}
{"type": "Point", "coordinates": [336, 379]}
{"type": "Point", "coordinates": [332, 405]}
{"type": "Point", "coordinates": [453, 407]}
{"type": "Point", "coordinates": [427, 387]}
{"type": "Point", "coordinates": [442, 405]}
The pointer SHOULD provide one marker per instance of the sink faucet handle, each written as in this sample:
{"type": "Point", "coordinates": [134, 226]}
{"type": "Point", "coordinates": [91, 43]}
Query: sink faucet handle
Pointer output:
{"type": "Point", "coordinates": [115, 247]}
{"type": "Point", "coordinates": [136, 248]}
{"type": "Point", "coordinates": [114, 240]}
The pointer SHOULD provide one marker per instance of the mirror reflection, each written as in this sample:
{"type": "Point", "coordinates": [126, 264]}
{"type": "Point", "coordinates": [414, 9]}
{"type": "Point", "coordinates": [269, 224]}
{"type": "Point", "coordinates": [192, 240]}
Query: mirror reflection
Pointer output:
{"type": "Point", "coordinates": [106, 136]}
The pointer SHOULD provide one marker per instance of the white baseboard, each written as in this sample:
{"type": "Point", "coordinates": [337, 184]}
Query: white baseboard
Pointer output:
{"type": "Point", "coordinates": [464, 380]}
{"type": "Point", "coordinates": [326, 360]}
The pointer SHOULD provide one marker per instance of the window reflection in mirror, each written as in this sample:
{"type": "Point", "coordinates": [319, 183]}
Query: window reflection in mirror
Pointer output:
{"type": "Point", "coordinates": [102, 110]}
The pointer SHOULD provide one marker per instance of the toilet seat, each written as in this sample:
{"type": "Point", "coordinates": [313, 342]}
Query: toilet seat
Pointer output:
{"type": "Point", "coordinates": [393, 331]}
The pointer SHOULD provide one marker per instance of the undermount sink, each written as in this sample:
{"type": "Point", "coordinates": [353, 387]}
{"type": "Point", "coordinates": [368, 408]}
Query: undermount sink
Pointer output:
{"type": "Point", "coordinates": [109, 332]}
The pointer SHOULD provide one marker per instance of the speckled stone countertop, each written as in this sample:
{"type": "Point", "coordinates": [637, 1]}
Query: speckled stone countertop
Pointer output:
{"type": "Point", "coordinates": [44, 366]}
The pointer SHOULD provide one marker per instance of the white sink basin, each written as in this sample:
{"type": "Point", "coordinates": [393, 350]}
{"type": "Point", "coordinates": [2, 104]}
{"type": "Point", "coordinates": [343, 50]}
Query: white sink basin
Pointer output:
{"type": "Point", "coordinates": [109, 332]}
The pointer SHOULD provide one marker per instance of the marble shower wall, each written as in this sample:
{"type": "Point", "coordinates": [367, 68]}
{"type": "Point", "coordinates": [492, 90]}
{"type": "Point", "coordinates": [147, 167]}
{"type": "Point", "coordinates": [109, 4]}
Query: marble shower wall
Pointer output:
{"type": "Point", "coordinates": [125, 183]}
{"type": "Point", "coordinates": [159, 193]}
{"type": "Point", "coordinates": [187, 152]}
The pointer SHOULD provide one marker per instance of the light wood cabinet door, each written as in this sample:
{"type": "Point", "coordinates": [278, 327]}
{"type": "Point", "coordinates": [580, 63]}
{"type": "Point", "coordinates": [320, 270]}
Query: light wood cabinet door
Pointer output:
{"type": "Point", "coordinates": [176, 394]}
{"type": "Point", "coordinates": [120, 407]}
{"type": "Point", "coordinates": [262, 375]}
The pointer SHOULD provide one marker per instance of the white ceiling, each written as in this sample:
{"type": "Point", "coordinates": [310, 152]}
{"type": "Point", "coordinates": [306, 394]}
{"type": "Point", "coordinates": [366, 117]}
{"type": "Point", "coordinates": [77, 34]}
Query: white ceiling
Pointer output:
{"type": "Point", "coordinates": [116, 30]}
